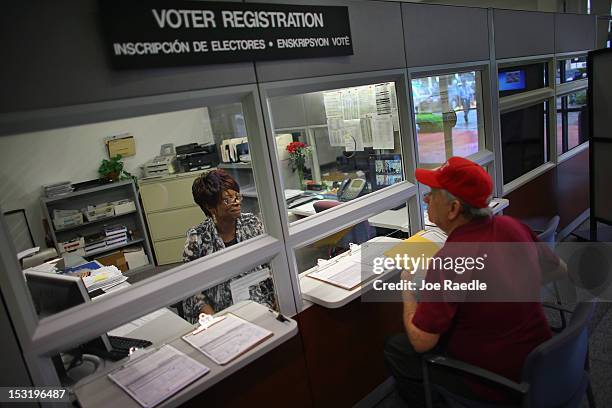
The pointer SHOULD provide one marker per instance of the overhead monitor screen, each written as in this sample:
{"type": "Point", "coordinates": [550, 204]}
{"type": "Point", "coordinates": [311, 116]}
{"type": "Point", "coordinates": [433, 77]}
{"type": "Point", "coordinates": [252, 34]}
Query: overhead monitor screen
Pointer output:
{"type": "Point", "coordinates": [511, 80]}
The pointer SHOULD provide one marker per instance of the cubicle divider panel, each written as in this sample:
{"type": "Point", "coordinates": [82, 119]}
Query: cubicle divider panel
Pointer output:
{"type": "Point", "coordinates": [343, 349]}
{"type": "Point", "coordinates": [563, 191]}
{"type": "Point", "coordinates": [376, 30]}
{"type": "Point", "coordinates": [572, 194]}
{"type": "Point", "coordinates": [535, 201]}
{"type": "Point", "coordinates": [68, 40]}
{"type": "Point", "coordinates": [454, 34]}
{"type": "Point", "coordinates": [523, 33]}
{"type": "Point", "coordinates": [566, 27]}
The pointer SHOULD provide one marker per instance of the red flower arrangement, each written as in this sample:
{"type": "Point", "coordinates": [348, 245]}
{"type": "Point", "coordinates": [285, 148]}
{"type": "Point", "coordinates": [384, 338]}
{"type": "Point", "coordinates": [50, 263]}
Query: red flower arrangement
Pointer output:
{"type": "Point", "coordinates": [295, 147]}
{"type": "Point", "coordinates": [298, 152]}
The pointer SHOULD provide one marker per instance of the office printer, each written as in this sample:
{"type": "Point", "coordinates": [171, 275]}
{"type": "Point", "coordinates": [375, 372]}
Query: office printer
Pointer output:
{"type": "Point", "coordinates": [195, 156]}
{"type": "Point", "coordinates": [158, 166]}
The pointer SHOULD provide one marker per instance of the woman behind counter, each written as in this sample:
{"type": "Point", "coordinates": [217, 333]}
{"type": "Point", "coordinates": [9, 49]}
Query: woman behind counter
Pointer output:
{"type": "Point", "coordinates": [218, 195]}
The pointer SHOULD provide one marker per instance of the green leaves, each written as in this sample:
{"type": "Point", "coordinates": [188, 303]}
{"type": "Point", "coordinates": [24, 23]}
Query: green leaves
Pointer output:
{"type": "Point", "coordinates": [112, 169]}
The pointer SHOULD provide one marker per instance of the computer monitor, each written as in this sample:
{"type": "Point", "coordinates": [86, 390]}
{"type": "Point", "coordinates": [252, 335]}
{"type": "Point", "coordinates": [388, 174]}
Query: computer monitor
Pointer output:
{"type": "Point", "coordinates": [511, 80]}
{"type": "Point", "coordinates": [385, 170]}
{"type": "Point", "coordinates": [53, 293]}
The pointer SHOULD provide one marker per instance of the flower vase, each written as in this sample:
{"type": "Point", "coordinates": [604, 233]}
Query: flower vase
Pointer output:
{"type": "Point", "coordinates": [300, 172]}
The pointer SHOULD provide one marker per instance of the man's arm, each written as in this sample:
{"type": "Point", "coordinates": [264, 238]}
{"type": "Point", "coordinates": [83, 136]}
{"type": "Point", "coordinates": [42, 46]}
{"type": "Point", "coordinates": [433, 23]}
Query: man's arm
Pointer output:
{"type": "Point", "coordinates": [421, 341]}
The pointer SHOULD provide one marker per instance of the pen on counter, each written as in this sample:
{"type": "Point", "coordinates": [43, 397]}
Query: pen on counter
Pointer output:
{"type": "Point", "coordinates": [279, 316]}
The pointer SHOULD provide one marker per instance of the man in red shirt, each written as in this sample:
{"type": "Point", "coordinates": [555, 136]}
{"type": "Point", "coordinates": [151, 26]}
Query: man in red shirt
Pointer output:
{"type": "Point", "coordinates": [489, 333]}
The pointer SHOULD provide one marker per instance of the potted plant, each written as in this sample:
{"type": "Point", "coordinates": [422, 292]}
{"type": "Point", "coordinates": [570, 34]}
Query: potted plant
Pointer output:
{"type": "Point", "coordinates": [112, 170]}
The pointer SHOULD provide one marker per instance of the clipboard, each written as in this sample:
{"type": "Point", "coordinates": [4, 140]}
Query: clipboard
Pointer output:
{"type": "Point", "coordinates": [141, 383]}
{"type": "Point", "coordinates": [357, 265]}
{"type": "Point", "coordinates": [208, 338]}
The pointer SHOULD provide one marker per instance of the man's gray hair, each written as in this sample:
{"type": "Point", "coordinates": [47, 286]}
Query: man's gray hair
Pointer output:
{"type": "Point", "coordinates": [468, 210]}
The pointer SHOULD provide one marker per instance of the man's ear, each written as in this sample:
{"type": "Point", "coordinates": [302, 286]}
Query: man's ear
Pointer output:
{"type": "Point", "coordinates": [454, 210]}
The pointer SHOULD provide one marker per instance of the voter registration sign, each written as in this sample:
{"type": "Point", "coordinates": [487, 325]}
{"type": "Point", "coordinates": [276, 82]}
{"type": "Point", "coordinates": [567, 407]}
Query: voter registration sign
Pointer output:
{"type": "Point", "coordinates": [142, 34]}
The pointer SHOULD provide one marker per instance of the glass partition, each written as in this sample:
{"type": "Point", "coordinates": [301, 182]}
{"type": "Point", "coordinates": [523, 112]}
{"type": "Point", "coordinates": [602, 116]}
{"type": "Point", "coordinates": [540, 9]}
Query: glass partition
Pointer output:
{"type": "Point", "coordinates": [524, 134]}
{"type": "Point", "coordinates": [571, 69]}
{"type": "Point", "coordinates": [392, 223]}
{"type": "Point", "coordinates": [572, 121]}
{"type": "Point", "coordinates": [337, 144]}
{"type": "Point", "coordinates": [448, 116]}
{"type": "Point", "coordinates": [129, 199]}
{"type": "Point", "coordinates": [522, 78]}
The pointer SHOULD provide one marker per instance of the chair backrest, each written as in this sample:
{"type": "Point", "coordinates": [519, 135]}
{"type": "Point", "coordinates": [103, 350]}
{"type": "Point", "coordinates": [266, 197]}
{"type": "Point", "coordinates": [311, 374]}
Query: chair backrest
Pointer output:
{"type": "Point", "coordinates": [550, 232]}
{"type": "Point", "coordinates": [358, 234]}
{"type": "Point", "coordinates": [323, 205]}
{"type": "Point", "coordinates": [336, 238]}
{"type": "Point", "coordinates": [555, 369]}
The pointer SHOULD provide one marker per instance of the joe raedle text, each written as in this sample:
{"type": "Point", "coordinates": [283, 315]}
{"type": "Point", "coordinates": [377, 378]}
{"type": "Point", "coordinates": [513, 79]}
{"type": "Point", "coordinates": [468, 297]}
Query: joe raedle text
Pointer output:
{"type": "Point", "coordinates": [446, 285]}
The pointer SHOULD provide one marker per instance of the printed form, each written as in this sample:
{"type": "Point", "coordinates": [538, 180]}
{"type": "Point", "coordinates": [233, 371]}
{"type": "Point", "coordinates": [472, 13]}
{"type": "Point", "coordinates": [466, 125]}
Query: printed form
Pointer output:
{"type": "Point", "coordinates": [345, 273]}
{"type": "Point", "coordinates": [158, 375]}
{"type": "Point", "coordinates": [229, 338]}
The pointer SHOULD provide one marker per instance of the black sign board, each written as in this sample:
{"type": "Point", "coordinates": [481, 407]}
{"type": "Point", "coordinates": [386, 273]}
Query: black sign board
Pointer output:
{"type": "Point", "coordinates": [142, 34]}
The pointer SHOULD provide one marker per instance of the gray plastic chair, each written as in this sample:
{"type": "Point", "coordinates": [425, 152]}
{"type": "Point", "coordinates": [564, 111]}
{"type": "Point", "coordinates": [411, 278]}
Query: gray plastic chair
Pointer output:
{"type": "Point", "coordinates": [549, 235]}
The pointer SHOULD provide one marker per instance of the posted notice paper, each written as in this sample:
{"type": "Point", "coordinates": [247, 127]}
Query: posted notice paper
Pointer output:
{"type": "Point", "coordinates": [382, 132]}
{"type": "Point", "coordinates": [353, 139]}
{"type": "Point", "coordinates": [158, 375]}
{"type": "Point", "coordinates": [334, 129]}
{"type": "Point", "coordinates": [229, 338]}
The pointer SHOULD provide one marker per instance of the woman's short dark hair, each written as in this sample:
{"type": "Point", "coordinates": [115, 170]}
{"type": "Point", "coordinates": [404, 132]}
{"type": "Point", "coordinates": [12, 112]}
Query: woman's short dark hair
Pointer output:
{"type": "Point", "coordinates": [208, 188]}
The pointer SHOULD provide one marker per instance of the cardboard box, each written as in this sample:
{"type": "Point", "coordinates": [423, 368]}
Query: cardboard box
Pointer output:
{"type": "Point", "coordinates": [125, 207]}
{"type": "Point", "coordinates": [115, 258]}
{"type": "Point", "coordinates": [135, 258]}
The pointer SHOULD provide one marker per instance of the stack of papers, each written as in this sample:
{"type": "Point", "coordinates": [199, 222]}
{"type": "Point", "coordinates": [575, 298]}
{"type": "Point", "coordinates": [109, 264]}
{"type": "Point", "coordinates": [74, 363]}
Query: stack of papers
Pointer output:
{"type": "Point", "coordinates": [158, 375]}
{"type": "Point", "coordinates": [58, 189]}
{"type": "Point", "coordinates": [103, 278]}
{"type": "Point", "coordinates": [95, 276]}
{"type": "Point", "coordinates": [227, 339]}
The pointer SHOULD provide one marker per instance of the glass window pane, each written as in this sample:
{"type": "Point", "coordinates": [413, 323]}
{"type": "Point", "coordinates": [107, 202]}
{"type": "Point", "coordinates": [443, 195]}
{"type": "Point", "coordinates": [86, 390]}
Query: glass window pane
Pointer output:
{"type": "Point", "coordinates": [572, 69]}
{"type": "Point", "coordinates": [391, 223]}
{"type": "Point", "coordinates": [524, 140]}
{"type": "Point", "coordinates": [559, 132]}
{"type": "Point", "coordinates": [522, 78]}
{"type": "Point", "coordinates": [448, 116]}
{"type": "Point", "coordinates": [572, 120]}
{"type": "Point", "coordinates": [337, 144]}
{"type": "Point", "coordinates": [137, 226]}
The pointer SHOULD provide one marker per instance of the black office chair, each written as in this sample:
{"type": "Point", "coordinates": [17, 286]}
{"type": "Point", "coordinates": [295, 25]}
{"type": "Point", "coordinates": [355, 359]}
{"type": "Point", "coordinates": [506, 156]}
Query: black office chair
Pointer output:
{"type": "Point", "coordinates": [555, 373]}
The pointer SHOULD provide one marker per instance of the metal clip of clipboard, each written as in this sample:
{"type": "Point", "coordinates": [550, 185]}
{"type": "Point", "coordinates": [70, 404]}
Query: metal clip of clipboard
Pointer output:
{"type": "Point", "coordinates": [205, 321]}
{"type": "Point", "coordinates": [136, 354]}
{"type": "Point", "coordinates": [324, 263]}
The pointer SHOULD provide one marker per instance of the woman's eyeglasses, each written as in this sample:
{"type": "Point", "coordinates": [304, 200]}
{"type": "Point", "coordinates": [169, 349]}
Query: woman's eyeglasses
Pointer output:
{"type": "Point", "coordinates": [233, 199]}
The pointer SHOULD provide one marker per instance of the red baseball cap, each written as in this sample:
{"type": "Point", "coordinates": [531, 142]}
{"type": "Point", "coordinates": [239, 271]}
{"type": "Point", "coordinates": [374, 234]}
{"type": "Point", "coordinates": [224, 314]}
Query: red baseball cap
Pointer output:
{"type": "Point", "coordinates": [462, 178]}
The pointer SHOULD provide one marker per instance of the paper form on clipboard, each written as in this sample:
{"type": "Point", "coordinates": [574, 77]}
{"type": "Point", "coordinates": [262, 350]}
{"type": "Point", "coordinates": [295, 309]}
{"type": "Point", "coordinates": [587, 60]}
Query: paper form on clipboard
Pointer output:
{"type": "Point", "coordinates": [158, 375]}
{"type": "Point", "coordinates": [226, 340]}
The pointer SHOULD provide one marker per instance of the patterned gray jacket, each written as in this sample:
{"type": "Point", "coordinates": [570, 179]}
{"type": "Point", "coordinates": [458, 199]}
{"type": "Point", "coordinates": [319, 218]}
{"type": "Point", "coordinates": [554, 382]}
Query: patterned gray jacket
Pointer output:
{"type": "Point", "coordinates": [202, 240]}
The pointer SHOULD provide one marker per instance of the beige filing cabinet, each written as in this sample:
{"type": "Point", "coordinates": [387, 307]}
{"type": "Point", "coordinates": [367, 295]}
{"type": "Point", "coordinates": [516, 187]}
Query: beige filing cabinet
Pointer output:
{"type": "Point", "coordinates": [170, 212]}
